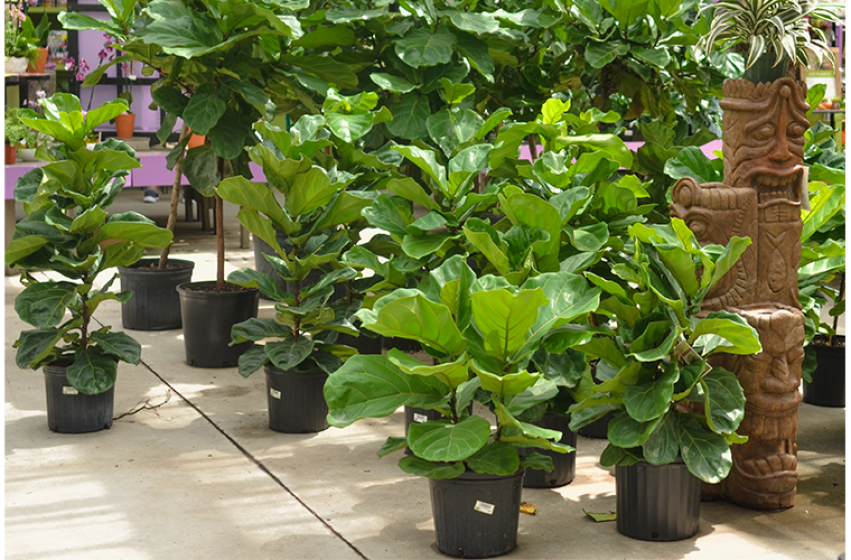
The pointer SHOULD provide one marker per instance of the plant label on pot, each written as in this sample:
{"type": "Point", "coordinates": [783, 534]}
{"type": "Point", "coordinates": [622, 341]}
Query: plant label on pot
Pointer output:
{"type": "Point", "coordinates": [420, 418]}
{"type": "Point", "coordinates": [275, 394]}
{"type": "Point", "coordinates": [68, 390]}
{"type": "Point", "coordinates": [484, 507]}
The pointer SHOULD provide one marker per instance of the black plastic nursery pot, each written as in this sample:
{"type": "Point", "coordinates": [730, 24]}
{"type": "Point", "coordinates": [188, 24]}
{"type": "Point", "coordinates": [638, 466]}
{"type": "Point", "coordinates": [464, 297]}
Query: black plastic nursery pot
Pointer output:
{"type": "Point", "coordinates": [155, 305]}
{"type": "Point", "coordinates": [564, 464]}
{"type": "Point", "coordinates": [598, 429]}
{"type": "Point", "coordinates": [657, 502]}
{"type": "Point", "coordinates": [363, 344]}
{"type": "Point", "coordinates": [476, 515]}
{"type": "Point", "coordinates": [828, 385]}
{"type": "Point", "coordinates": [296, 400]}
{"type": "Point", "coordinates": [72, 412]}
{"type": "Point", "coordinates": [208, 317]}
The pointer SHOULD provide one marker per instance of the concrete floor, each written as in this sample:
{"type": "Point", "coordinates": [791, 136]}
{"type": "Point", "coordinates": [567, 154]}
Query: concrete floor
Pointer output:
{"type": "Point", "coordinates": [202, 477]}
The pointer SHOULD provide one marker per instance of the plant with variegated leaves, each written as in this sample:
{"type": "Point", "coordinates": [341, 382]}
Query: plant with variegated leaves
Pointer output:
{"type": "Point", "coordinates": [482, 334]}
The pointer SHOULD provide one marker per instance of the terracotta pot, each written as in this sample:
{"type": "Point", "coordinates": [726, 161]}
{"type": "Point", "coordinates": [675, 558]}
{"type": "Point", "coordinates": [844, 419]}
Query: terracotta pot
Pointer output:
{"type": "Point", "coordinates": [11, 154]}
{"type": "Point", "coordinates": [37, 67]}
{"type": "Point", "coordinates": [196, 140]}
{"type": "Point", "coordinates": [124, 125]}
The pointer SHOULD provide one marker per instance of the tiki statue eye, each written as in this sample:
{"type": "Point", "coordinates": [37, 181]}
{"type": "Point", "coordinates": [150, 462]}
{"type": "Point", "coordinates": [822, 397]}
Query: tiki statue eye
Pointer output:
{"type": "Point", "coordinates": [796, 129]}
{"type": "Point", "coordinates": [765, 132]}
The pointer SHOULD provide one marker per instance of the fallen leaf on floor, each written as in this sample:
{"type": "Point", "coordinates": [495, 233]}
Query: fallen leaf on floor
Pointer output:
{"type": "Point", "coordinates": [601, 517]}
{"type": "Point", "coordinates": [526, 507]}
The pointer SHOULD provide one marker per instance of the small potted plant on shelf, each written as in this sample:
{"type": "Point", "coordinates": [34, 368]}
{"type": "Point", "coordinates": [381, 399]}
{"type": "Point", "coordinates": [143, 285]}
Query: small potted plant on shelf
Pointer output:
{"type": "Point", "coordinates": [675, 414]}
{"type": "Point", "coordinates": [32, 141]}
{"type": "Point", "coordinates": [305, 327]}
{"type": "Point", "coordinates": [68, 233]}
{"type": "Point", "coordinates": [24, 42]}
{"type": "Point", "coordinates": [481, 333]}
{"type": "Point", "coordinates": [773, 33]}
{"type": "Point", "coordinates": [14, 132]}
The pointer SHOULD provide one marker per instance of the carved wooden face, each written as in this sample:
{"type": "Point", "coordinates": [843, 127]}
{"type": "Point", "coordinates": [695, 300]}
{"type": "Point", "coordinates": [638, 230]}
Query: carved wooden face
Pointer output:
{"type": "Point", "coordinates": [764, 130]}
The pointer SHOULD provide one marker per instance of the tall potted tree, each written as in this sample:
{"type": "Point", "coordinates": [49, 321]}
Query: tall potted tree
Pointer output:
{"type": "Point", "coordinates": [68, 232]}
{"type": "Point", "coordinates": [482, 333]}
{"type": "Point", "coordinates": [155, 304]}
{"type": "Point", "coordinates": [305, 328]}
{"type": "Point", "coordinates": [675, 415]}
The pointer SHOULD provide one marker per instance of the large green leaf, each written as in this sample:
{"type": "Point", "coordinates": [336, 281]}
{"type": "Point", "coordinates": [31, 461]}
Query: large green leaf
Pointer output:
{"type": "Point", "coordinates": [372, 387]}
{"type": "Point", "coordinates": [201, 168]}
{"type": "Point", "coordinates": [421, 467]}
{"type": "Point", "coordinates": [483, 237]}
{"type": "Point", "coordinates": [180, 30]}
{"type": "Point", "coordinates": [442, 440]}
{"type": "Point", "coordinates": [706, 454]}
{"type": "Point", "coordinates": [568, 296]}
{"type": "Point", "coordinates": [411, 190]}
{"type": "Point", "coordinates": [528, 209]}
{"type": "Point", "coordinates": [349, 127]}
{"type": "Point", "coordinates": [421, 47]}
{"type": "Point", "coordinates": [35, 346]}
{"type": "Point", "coordinates": [257, 196]}
{"type": "Point", "coordinates": [725, 400]}
{"type": "Point", "coordinates": [310, 191]}
{"type": "Point", "coordinates": [418, 247]}
{"type": "Point", "coordinates": [626, 432]}
{"type": "Point", "coordinates": [290, 352]}
{"type": "Point", "coordinates": [119, 345]}
{"type": "Point", "coordinates": [496, 458]}
{"type": "Point", "coordinates": [453, 373]}
{"type": "Point", "coordinates": [691, 162]}
{"type": "Point", "coordinates": [449, 128]}
{"type": "Point", "coordinates": [325, 67]}
{"type": "Point", "coordinates": [418, 318]}
{"type": "Point", "coordinates": [22, 247]}
{"type": "Point", "coordinates": [663, 445]}
{"type": "Point", "coordinates": [651, 398]}
{"type": "Point", "coordinates": [427, 161]}
{"type": "Point", "coordinates": [204, 109]}
{"type": "Point", "coordinates": [392, 83]}
{"type": "Point", "coordinates": [505, 384]}
{"type": "Point", "coordinates": [256, 329]}
{"type": "Point", "coordinates": [409, 117]}
{"type": "Point", "coordinates": [92, 372]}
{"type": "Point", "coordinates": [504, 319]}
{"type": "Point", "coordinates": [601, 54]}
{"type": "Point", "coordinates": [146, 235]}
{"type": "Point", "coordinates": [726, 332]}
{"type": "Point", "coordinates": [43, 304]}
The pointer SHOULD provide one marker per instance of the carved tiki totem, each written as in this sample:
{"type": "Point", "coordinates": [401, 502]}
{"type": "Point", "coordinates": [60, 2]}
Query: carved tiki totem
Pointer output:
{"type": "Point", "coordinates": [761, 196]}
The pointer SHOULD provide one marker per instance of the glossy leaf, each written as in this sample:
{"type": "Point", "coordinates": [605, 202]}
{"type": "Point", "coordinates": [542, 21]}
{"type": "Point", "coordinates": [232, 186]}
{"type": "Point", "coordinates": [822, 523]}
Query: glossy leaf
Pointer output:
{"type": "Point", "coordinates": [663, 445]}
{"type": "Point", "coordinates": [504, 319]}
{"type": "Point", "coordinates": [706, 454]}
{"type": "Point", "coordinates": [43, 304]}
{"type": "Point", "coordinates": [118, 345]}
{"type": "Point", "coordinates": [421, 47]}
{"type": "Point", "coordinates": [372, 387]}
{"type": "Point", "coordinates": [444, 441]}
{"type": "Point", "coordinates": [252, 360]}
{"type": "Point", "coordinates": [452, 374]}
{"type": "Point", "coordinates": [650, 399]}
{"type": "Point", "coordinates": [495, 458]}
{"type": "Point", "coordinates": [725, 401]}
{"type": "Point", "coordinates": [204, 109]}
{"type": "Point", "coordinates": [409, 117]}
{"type": "Point", "coordinates": [310, 190]}
{"type": "Point", "coordinates": [290, 352]}
{"type": "Point", "coordinates": [92, 372]}
{"type": "Point", "coordinates": [429, 469]}
{"type": "Point", "coordinates": [507, 384]}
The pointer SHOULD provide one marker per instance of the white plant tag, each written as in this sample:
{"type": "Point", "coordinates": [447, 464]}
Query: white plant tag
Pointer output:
{"type": "Point", "coordinates": [275, 394]}
{"type": "Point", "coordinates": [66, 390]}
{"type": "Point", "coordinates": [484, 507]}
{"type": "Point", "coordinates": [420, 418]}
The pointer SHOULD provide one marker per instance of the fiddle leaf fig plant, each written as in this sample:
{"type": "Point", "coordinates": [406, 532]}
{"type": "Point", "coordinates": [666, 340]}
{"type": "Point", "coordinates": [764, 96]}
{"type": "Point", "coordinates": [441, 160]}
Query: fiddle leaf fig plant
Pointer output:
{"type": "Point", "coordinates": [316, 205]}
{"type": "Point", "coordinates": [68, 232]}
{"type": "Point", "coordinates": [668, 401]}
{"type": "Point", "coordinates": [482, 333]}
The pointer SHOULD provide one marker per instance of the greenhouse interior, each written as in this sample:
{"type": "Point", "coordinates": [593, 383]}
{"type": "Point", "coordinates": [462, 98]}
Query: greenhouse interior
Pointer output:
{"type": "Point", "coordinates": [526, 279]}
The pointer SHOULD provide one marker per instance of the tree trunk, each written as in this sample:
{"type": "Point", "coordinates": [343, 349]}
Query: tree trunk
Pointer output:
{"type": "Point", "coordinates": [220, 235]}
{"type": "Point", "coordinates": [175, 198]}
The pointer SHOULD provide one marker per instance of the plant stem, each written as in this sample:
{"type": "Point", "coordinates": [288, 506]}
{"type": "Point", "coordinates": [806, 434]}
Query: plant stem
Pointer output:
{"type": "Point", "coordinates": [220, 234]}
{"type": "Point", "coordinates": [84, 328]}
{"type": "Point", "coordinates": [839, 298]}
{"type": "Point", "coordinates": [533, 146]}
{"type": "Point", "coordinates": [297, 319]}
{"type": "Point", "coordinates": [175, 198]}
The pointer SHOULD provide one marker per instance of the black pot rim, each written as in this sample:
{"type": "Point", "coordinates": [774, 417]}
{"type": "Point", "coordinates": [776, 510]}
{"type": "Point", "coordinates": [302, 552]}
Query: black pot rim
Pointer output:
{"type": "Point", "coordinates": [483, 477]}
{"type": "Point", "coordinates": [272, 369]}
{"type": "Point", "coordinates": [186, 290]}
{"type": "Point", "coordinates": [181, 265]}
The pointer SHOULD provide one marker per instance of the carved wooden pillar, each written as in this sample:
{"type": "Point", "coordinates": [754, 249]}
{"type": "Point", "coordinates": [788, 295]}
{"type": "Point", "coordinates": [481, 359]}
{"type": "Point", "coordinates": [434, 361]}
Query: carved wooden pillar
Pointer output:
{"type": "Point", "coordinates": [761, 196]}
